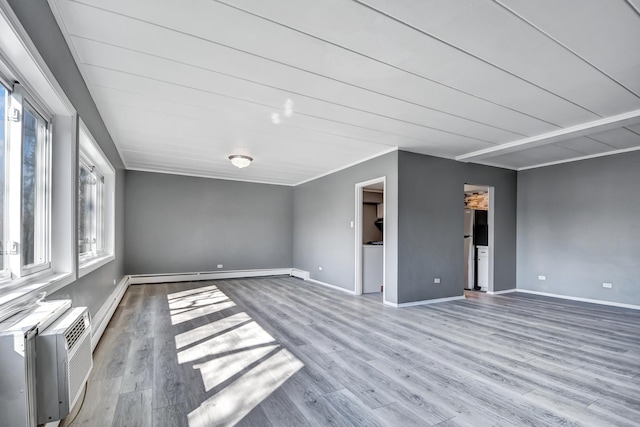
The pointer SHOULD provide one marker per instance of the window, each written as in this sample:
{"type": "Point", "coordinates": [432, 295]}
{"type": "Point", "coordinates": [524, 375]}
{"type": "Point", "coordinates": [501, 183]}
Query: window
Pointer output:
{"type": "Point", "coordinates": [96, 179]}
{"type": "Point", "coordinates": [38, 159]}
{"type": "Point", "coordinates": [90, 193]}
{"type": "Point", "coordinates": [24, 186]}
{"type": "Point", "coordinates": [4, 99]}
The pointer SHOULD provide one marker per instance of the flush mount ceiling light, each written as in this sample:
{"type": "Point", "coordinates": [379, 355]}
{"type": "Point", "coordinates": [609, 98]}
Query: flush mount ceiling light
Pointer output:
{"type": "Point", "coordinates": [240, 161]}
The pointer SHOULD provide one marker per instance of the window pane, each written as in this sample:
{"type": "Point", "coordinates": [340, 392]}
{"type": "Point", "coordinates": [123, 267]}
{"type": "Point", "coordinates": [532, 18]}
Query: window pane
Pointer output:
{"type": "Point", "coordinates": [4, 94]}
{"type": "Point", "coordinates": [84, 206]}
{"type": "Point", "coordinates": [29, 165]}
{"type": "Point", "coordinates": [89, 193]}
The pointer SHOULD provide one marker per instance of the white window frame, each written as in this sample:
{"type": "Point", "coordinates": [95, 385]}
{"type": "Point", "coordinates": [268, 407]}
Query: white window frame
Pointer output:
{"type": "Point", "coordinates": [91, 154]}
{"type": "Point", "coordinates": [94, 223]}
{"type": "Point", "coordinates": [43, 194]}
{"type": "Point", "coordinates": [5, 272]}
{"type": "Point", "coordinates": [20, 101]}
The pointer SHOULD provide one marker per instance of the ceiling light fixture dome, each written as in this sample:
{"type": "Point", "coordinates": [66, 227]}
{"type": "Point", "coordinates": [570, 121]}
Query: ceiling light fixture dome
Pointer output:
{"type": "Point", "coordinates": [240, 161]}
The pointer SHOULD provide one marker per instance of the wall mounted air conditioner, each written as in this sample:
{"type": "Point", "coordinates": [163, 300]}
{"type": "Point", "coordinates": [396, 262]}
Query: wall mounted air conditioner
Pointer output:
{"type": "Point", "coordinates": [63, 364]}
{"type": "Point", "coordinates": [18, 360]}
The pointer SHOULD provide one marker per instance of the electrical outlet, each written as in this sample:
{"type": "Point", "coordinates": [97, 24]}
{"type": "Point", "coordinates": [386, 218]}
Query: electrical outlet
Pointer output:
{"type": "Point", "coordinates": [542, 277]}
{"type": "Point", "coordinates": [219, 265]}
{"type": "Point", "coordinates": [320, 268]}
{"type": "Point", "coordinates": [114, 281]}
{"type": "Point", "coordinates": [436, 280]}
{"type": "Point", "coordinates": [607, 285]}
{"type": "Point", "coordinates": [351, 224]}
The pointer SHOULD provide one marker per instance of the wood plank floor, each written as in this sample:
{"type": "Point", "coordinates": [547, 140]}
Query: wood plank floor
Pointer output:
{"type": "Point", "coordinates": [282, 352]}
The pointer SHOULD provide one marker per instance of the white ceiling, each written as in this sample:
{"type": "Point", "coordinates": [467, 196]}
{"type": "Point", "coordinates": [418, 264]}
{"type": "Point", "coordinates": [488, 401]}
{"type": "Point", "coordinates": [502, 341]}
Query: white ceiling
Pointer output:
{"type": "Point", "coordinates": [184, 84]}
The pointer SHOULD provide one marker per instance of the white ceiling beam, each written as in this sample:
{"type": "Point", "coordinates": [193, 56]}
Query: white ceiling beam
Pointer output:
{"type": "Point", "coordinates": [589, 128]}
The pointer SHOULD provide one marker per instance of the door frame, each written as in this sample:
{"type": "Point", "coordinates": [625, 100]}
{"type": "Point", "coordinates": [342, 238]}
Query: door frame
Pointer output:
{"type": "Point", "coordinates": [491, 190]}
{"type": "Point", "coordinates": [492, 232]}
{"type": "Point", "coordinates": [358, 234]}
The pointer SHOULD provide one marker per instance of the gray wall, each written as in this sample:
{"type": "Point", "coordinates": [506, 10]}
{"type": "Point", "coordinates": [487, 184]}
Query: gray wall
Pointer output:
{"type": "Point", "coordinates": [37, 19]}
{"type": "Point", "coordinates": [578, 226]}
{"type": "Point", "coordinates": [431, 224]}
{"type": "Point", "coordinates": [181, 224]}
{"type": "Point", "coordinates": [323, 210]}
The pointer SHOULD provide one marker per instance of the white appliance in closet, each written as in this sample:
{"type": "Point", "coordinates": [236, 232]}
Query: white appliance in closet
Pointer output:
{"type": "Point", "coordinates": [469, 252]}
{"type": "Point", "coordinates": [483, 267]}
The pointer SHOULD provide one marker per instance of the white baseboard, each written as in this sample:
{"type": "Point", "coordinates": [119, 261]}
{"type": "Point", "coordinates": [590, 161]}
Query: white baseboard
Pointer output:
{"type": "Point", "coordinates": [138, 279]}
{"type": "Point", "coordinates": [424, 302]}
{"type": "Point", "coordinates": [591, 301]}
{"type": "Point", "coordinates": [328, 285]}
{"type": "Point", "coordinates": [506, 291]}
{"type": "Point", "coordinates": [102, 317]}
{"type": "Point", "coordinates": [300, 274]}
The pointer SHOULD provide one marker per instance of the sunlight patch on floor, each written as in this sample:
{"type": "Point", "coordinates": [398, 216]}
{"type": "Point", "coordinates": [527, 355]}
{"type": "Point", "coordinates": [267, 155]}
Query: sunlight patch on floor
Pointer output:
{"type": "Point", "coordinates": [210, 329]}
{"type": "Point", "coordinates": [188, 305]}
{"type": "Point", "coordinates": [240, 363]}
{"type": "Point", "coordinates": [246, 336]}
{"type": "Point", "coordinates": [217, 371]}
{"type": "Point", "coordinates": [235, 401]}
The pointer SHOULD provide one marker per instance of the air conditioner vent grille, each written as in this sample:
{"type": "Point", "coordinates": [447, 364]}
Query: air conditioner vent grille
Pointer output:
{"type": "Point", "coordinates": [79, 367]}
{"type": "Point", "coordinates": [73, 334]}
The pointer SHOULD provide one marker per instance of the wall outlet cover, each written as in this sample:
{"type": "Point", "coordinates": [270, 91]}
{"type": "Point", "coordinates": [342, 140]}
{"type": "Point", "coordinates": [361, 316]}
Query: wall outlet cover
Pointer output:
{"type": "Point", "coordinates": [319, 268]}
{"type": "Point", "coordinates": [436, 280]}
{"type": "Point", "coordinates": [607, 285]}
{"type": "Point", "coordinates": [219, 265]}
{"type": "Point", "coordinates": [542, 277]}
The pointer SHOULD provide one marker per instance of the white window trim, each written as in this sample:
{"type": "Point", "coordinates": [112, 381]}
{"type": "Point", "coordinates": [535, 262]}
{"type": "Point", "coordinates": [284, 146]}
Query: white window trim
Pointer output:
{"type": "Point", "coordinates": [90, 150]}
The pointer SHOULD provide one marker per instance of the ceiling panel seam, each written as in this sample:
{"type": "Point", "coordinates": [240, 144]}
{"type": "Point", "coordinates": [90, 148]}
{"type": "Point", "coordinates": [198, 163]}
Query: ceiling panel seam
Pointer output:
{"type": "Point", "coordinates": [306, 96]}
{"type": "Point", "coordinates": [380, 61]}
{"type": "Point", "coordinates": [303, 128]}
{"type": "Point", "coordinates": [368, 141]}
{"type": "Point", "coordinates": [631, 130]}
{"type": "Point", "coordinates": [308, 71]}
{"type": "Point", "coordinates": [297, 112]}
{"type": "Point", "coordinates": [557, 144]}
{"type": "Point", "coordinates": [564, 46]}
{"type": "Point", "coordinates": [318, 74]}
{"type": "Point", "coordinates": [299, 93]}
{"type": "Point", "coordinates": [451, 45]}
{"type": "Point", "coordinates": [257, 103]}
{"type": "Point", "coordinates": [633, 6]}
{"type": "Point", "coordinates": [575, 159]}
{"type": "Point", "coordinates": [601, 142]}
{"type": "Point", "coordinates": [186, 172]}
{"type": "Point", "coordinates": [323, 40]}
{"type": "Point", "coordinates": [307, 129]}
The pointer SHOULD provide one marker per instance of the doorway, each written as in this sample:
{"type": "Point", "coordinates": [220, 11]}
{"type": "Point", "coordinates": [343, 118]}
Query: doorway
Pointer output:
{"type": "Point", "coordinates": [479, 230]}
{"type": "Point", "coordinates": [370, 231]}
